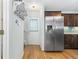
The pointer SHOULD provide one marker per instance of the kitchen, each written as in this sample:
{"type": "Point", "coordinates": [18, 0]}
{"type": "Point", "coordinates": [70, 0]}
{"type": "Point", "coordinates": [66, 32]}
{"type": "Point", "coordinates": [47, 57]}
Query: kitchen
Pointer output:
{"type": "Point", "coordinates": [40, 29]}
{"type": "Point", "coordinates": [68, 46]}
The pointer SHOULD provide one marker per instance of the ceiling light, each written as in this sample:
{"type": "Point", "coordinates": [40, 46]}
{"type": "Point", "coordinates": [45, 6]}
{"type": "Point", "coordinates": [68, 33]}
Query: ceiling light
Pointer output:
{"type": "Point", "coordinates": [34, 6]}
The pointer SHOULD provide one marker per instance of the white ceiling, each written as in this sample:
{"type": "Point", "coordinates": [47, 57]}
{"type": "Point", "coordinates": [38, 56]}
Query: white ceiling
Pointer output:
{"type": "Point", "coordinates": [59, 5]}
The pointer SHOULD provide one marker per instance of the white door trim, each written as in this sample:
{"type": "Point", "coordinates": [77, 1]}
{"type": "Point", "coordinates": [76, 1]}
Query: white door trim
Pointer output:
{"type": "Point", "coordinates": [6, 29]}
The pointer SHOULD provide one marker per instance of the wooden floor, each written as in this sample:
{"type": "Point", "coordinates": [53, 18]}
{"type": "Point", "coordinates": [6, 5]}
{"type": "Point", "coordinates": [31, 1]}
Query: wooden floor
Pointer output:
{"type": "Point", "coordinates": [34, 52]}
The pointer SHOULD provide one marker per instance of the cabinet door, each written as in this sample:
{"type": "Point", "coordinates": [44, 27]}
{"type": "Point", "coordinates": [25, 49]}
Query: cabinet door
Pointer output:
{"type": "Point", "coordinates": [71, 20]}
{"type": "Point", "coordinates": [75, 41]}
{"type": "Point", "coordinates": [65, 19]}
{"type": "Point", "coordinates": [75, 19]}
{"type": "Point", "coordinates": [68, 42]}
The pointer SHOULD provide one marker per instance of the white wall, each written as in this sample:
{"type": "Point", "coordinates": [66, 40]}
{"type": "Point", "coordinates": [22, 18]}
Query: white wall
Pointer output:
{"type": "Point", "coordinates": [13, 33]}
{"type": "Point", "coordinates": [42, 29]}
{"type": "Point", "coordinates": [16, 38]}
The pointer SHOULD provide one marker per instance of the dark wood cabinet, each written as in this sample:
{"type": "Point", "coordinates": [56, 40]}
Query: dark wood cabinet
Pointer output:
{"type": "Point", "coordinates": [70, 41]}
{"type": "Point", "coordinates": [75, 41]}
{"type": "Point", "coordinates": [52, 13]}
{"type": "Point", "coordinates": [65, 19]}
{"type": "Point", "coordinates": [75, 19]}
{"type": "Point", "coordinates": [70, 19]}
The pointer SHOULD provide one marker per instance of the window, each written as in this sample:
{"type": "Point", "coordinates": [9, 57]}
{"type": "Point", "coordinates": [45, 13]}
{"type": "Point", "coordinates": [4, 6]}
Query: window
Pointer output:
{"type": "Point", "coordinates": [33, 25]}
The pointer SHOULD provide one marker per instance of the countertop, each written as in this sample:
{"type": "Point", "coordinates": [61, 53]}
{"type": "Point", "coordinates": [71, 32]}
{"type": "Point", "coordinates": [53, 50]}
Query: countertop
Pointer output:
{"type": "Point", "coordinates": [70, 32]}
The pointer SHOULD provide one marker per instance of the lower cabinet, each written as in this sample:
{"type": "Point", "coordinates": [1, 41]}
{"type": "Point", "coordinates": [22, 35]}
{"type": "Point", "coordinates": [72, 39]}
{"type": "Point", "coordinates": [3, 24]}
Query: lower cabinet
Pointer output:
{"type": "Point", "coordinates": [75, 41]}
{"type": "Point", "coordinates": [71, 41]}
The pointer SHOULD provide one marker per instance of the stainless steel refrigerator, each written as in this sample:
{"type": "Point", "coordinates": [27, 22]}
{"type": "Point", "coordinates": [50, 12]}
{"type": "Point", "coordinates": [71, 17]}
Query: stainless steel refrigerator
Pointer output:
{"type": "Point", "coordinates": [54, 33]}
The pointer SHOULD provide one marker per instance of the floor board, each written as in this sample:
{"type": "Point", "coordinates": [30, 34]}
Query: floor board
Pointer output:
{"type": "Point", "coordinates": [34, 52]}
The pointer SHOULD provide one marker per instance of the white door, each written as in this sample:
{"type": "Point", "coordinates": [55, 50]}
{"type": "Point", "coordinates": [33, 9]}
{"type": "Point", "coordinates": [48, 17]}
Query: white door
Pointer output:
{"type": "Point", "coordinates": [33, 31]}
{"type": "Point", "coordinates": [33, 23]}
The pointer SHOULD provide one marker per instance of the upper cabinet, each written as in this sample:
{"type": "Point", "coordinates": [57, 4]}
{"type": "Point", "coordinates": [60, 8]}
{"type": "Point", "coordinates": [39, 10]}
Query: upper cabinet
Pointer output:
{"type": "Point", "coordinates": [52, 13]}
{"type": "Point", "coordinates": [66, 18]}
{"type": "Point", "coordinates": [70, 19]}
{"type": "Point", "coordinates": [75, 19]}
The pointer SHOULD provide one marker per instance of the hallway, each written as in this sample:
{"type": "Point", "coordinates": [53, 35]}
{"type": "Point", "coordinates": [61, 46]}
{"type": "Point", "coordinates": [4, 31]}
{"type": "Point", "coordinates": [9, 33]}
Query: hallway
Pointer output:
{"type": "Point", "coordinates": [34, 52]}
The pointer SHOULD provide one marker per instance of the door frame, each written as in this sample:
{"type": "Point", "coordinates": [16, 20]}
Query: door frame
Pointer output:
{"type": "Point", "coordinates": [6, 9]}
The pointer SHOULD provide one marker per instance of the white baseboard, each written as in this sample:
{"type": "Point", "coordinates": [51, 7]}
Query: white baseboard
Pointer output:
{"type": "Point", "coordinates": [22, 54]}
{"type": "Point", "coordinates": [33, 44]}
